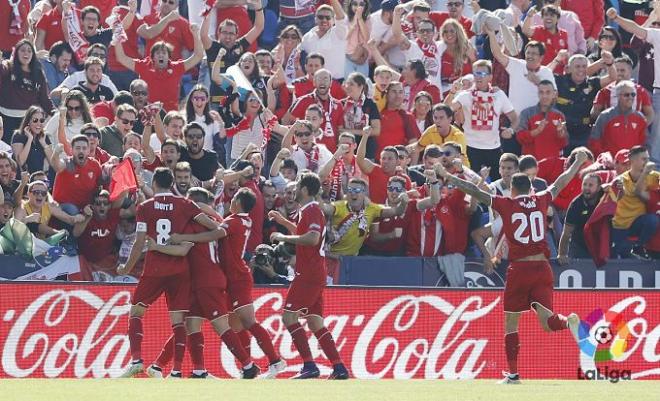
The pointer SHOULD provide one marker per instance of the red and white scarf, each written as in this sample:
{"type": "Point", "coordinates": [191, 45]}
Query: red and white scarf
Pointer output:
{"type": "Point", "coordinates": [354, 117]}
{"type": "Point", "coordinates": [312, 158]}
{"type": "Point", "coordinates": [334, 236]}
{"type": "Point", "coordinates": [483, 110]}
{"type": "Point", "coordinates": [76, 39]}
{"type": "Point", "coordinates": [431, 232]}
{"type": "Point", "coordinates": [16, 24]}
{"type": "Point", "coordinates": [290, 66]}
{"type": "Point", "coordinates": [267, 131]}
{"type": "Point", "coordinates": [333, 104]}
{"type": "Point", "coordinates": [339, 177]}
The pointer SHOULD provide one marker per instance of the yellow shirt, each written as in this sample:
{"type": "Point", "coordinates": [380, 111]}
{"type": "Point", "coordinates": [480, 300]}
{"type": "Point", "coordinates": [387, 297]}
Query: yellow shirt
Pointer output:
{"type": "Point", "coordinates": [379, 98]}
{"type": "Point", "coordinates": [629, 207]}
{"type": "Point", "coordinates": [351, 242]}
{"type": "Point", "coordinates": [45, 211]}
{"type": "Point", "coordinates": [432, 137]}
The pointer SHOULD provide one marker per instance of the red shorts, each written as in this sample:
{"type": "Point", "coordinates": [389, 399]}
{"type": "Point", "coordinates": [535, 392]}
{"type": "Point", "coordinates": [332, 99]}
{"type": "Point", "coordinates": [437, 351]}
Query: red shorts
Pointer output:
{"type": "Point", "coordinates": [209, 303]}
{"type": "Point", "coordinates": [527, 282]}
{"type": "Point", "coordinates": [305, 297]}
{"type": "Point", "coordinates": [240, 293]}
{"type": "Point", "coordinates": [176, 289]}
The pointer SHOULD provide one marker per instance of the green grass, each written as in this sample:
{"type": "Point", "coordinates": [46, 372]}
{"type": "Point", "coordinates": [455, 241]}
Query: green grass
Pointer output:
{"type": "Point", "coordinates": [273, 390]}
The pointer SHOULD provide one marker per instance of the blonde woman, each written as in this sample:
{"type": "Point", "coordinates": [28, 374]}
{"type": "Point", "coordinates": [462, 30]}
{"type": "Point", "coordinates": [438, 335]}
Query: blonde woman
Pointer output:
{"type": "Point", "coordinates": [457, 53]}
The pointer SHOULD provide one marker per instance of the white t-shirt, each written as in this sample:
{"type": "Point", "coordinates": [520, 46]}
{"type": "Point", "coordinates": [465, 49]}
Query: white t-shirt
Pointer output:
{"type": "Point", "coordinates": [382, 32]}
{"type": "Point", "coordinates": [79, 76]}
{"type": "Point", "coordinates": [332, 46]}
{"type": "Point", "coordinates": [522, 92]}
{"type": "Point", "coordinates": [70, 130]}
{"type": "Point", "coordinates": [432, 64]}
{"type": "Point", "coordinates": [653, 37]}
{"type": "Point", "coordinates": [488, 137]}
{"type": "Point", "coordinates": [209, 131]}
{"type": "Point", "coordinates": [298, 156]}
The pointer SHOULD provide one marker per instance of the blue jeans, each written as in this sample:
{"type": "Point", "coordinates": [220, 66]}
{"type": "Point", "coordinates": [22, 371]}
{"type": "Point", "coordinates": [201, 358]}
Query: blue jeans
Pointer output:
{"type": "Point", "coordinates": [643, 228]}
{"type": "Point", "coordinates": [351, 67]}
{"type": "Point", "coordinates": [653, 139]}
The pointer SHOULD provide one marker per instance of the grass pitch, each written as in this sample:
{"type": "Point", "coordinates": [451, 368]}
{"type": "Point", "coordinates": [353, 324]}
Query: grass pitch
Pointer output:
{"type": "Point", "coordinates": [311, 390]}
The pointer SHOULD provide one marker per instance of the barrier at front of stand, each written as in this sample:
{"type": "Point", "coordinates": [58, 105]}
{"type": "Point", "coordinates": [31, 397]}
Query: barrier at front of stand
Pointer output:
{"type": "Point", "coordinates": [74, 330]}
{"type": "Point", "coordinates": [423, 272]}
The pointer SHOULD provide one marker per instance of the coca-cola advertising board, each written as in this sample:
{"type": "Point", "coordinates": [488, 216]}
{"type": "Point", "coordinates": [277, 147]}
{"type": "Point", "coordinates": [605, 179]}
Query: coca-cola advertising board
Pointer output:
{"type": "Point", "coordinates": [79, 330]}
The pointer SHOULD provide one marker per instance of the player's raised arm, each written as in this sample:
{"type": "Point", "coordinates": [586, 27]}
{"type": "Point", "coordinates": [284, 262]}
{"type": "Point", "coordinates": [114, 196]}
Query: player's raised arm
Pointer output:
{"type": "Point", "coordinates": [566, 177]}
{"type": "Point", "coordinates": [465, 186]}
{"type": "Point", "coordinates": [310, 238]}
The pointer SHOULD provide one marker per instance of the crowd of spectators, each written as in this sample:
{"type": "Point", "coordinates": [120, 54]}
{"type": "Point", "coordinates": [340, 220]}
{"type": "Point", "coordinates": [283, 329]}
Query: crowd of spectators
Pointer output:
{"type": "Point", "coordinates": [371, 95]}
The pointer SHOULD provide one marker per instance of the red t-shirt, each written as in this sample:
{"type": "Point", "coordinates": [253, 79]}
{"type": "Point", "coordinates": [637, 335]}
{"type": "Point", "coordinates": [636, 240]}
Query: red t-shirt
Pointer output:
{"type": "Point", "coordinates": [310, 260]}
{"type": "Point", "coordinates": [77, 186]}
{"type": "Point", "coordinates": [423, 234]}
{"type": "Point", "coordinates": [164, 85]}
{"type": "Point", "coordinates": [203, 259]}
{"type": "Point", "coordinates": [232, 248]}
{"type": "Point", "coordinates": [103, 109]}
{"type": "Point", "coordinates": [51, 23]}
{"type": "Point", "coordinates": [378, 184]}
{"type": "Point", "coordinates": [553, 44]}
{"type": "Point", "coordinates": [177, 33]}
{"type": "Point", "coordinates": [336, 116]}
{"type": "Point", "coordinates": [524, 222]}
{"type": "Point", "coordinates": [393, 129]}
{"type": "Point", "coordinates": [607, 98]}
{"type": "Point", "coordinates": [455, 222]}
{"type": "Point", "coordinates": [159, 217]}
{"type": "Point", "coordinates": [96, 241]}
{"type": "Point", "coordinates": [546, 144]}
{"type": "Point", "coordinates": [439, 18]}
{"type": "Point", "coordinates": [447, 68]}
{"type": "Point", "coordinates": [130, 45]}
{"type": "Point", "coordinates": [7, 40]}
{"type": "Point", "coordinates": [304, 86]}
{"type": "Point", "coordinates": [257, 216]}
{"type": "Point", "coordinates": [392, 246]}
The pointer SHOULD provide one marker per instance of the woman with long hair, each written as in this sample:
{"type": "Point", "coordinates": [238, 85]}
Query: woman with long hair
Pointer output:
{"type": "Point", "coordinates": [22, 84]}
{"type": "Point", "coordinates": [359, 32]}
{"type": "Point", "coordinates": [249, 129]}
{"type": "Point", "coordinates": [287, 53]}
{"type": "Point", "coordinates": [30, 144]}
{"type": "Point", "coordinates": [360, 111]}
{"type": "Point", "coordinates": [198, 109]}
{"type": "Point", "coordinates": [609, 40]}
{"type": "Point", "coordinates": [250, 67]}
{"type": "Point", "coordinates": [74, 112]}
{"type": "Point", "coordinates": [457, 53]}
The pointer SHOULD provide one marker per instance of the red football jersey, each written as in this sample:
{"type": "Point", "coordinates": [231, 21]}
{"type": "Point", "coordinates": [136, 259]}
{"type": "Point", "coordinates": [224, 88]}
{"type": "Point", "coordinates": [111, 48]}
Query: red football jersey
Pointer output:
{"type": "Point", "coordinates": [96, 242]}
{"type": "Point", "coordinates": [232, 247]}
{"type": "Point", "coordinates": [310, 260]}
{"type": "Point", "coordinates": [204, 260]}
{"type": "Point", "coordinates": [524, 222]}
{"type": "Point", "coordinates": [159, 217]}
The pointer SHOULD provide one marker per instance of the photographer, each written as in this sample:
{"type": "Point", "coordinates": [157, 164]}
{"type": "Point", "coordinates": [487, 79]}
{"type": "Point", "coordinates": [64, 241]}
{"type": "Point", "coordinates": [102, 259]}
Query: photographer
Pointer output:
{"type": "Point", "coordinates": [272, 264]}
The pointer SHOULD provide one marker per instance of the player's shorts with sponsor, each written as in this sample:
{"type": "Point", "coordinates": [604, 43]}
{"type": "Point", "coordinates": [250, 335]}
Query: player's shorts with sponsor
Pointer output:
{"type": "Point", "coordinates": [305, 297]}
{"type": "Point", "coordinates": [209, 303]}
{"type": "Point", "coordinates": [528, 282]}
{"type": "Point", "coordinates": [239, 293]}
{"type": "Point", "coordinates": [176, 288]}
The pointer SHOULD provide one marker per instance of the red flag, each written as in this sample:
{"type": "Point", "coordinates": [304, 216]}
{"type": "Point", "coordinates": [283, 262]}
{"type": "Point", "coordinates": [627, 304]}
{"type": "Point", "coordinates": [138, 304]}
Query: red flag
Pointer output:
{"type": "Point", "coordinates": [122, 179]}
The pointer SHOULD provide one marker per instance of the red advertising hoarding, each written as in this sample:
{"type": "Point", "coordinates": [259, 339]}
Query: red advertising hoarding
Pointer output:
{"type": "Point", "coordinates": [77, 330]}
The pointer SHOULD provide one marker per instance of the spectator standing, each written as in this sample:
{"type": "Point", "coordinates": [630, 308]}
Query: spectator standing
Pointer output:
{"type": "Point", "coordinates": [360, 110]}
{"type": "Point", "coordinates": [22, 84]}
{"type": "Point", "coordinates": [91, 87]}
{"type": "Point", "coordinates": [423, 47]}
{"type": "Point", "coordinates": [397, 124]}
{"type": "Point", "coordinates": [166, 25]}
{"type": "Point", "coordinates": [38, 210]}
{"type": "Point", "coordinates": [198, 109]}
{"type": "Point", "coordinates": [592, 17]}
{"type": "Point", "coordinates": [328, 38]}
{"type": "Point", "coordinates": [482, 107]}
{"type": "Point", "coordinates": [49, 27]}
{"type": "Point", "coordinates": [203, 162]}
{"type": "Point", "coordinates": [609, 40]}
{"type": "Point", "coordinates": [31, 146]}
{"type": "Point", "coordinates": [457, 54]}
{"type": "Point", "coordinates": [14, 26]}
{"type": "Point", "coordinates": [90, 26]}
{"type": "Point", "coordinates": [553, 37]}
{"type": "Point", "coordinates": [570, 22]}
{"type": "Point", "coordinates": [619, 127]}
{"type": "Point", "coordinates": [131, 21]}
{"type": "Point", "coordinates": [359, 32]}
{"type": "Point", "coordinates": [57, 65]}
{"type": "Point", "coordinates": [422, 111]}
{"type": "Point", "coordinates": [307, 154]}
{"type": "Point", "coordinates": [298, 14]}
{"type": "Point", "coordinates": [440, 132]}
{"type": "Point", "coordinates": [305, 85]}
{"type": "Point", "coordinates": [112, 136]}
{"type": "Point", "coordinates": [288, 53]}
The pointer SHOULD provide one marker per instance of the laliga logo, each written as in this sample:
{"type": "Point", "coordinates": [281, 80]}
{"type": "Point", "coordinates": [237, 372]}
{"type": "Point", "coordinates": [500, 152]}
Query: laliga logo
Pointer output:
{"type": "Point", "coordinates": [613, 325]}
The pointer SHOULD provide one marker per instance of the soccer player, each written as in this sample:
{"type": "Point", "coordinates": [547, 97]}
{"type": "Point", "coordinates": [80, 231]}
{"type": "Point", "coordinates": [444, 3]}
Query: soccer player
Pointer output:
{"type": "Point", "coordinates": [529, 279]}
{"type": "Point", "coordinates": [209, 300]}
{"type": "Point", "coordinates": [305, 296]}
{"type": "Point", "coordinates": [157, 218]}
{"type": "Point", "coordinates": [233, 235]}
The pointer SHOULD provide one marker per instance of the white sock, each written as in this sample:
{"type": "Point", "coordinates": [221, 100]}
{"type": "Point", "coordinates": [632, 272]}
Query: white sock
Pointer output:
{"type": "Point", "coordinates": [198, 372]}
{"type": "Point", "coordinates": [248, 366]}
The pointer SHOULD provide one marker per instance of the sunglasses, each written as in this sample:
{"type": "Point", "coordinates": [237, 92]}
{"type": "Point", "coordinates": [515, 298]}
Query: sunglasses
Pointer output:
{"type": "Point", "coordinates": [655, 24]}
{"type": "Point", "coordinates": [303, 133]}
{"type": "Point", "coordinates": [395, 188]}
{"type": "Point", "coordinates": [355, 190]}
{"type": "Point", "coordinates": [253, 100]}
{"type": "Point", "coordinates": [446, 153]}
{"type": "Point", "coordinates": [139, 93]}
{"type": "Point", "coordinates": [199, 98]}
{"type": "Point", "coordinates": [481, 74]}
{"type": "Point", "coordinates": [200, 136]}
{"type": "Point", "coordinates": [39, 193]}
{"type": "Point", "coordinates": [358, 3]}
{"type": "Point", "coordinates": [99, 55]}
{"type": "Point", "coordinates": [129, 122]}
{"type": "Point", "coordinates": [454, 4]}
{"type": "Point", "coordinates": [324, 17]}
{"type": "Point", "coordinates": [101, 203]}
{"type": "Point", "coordinates": [425, 30]}
{"type": "Point", "coordinates": [607, 37]}
{"type": "Point", "coordinates": [92, 133]}
{"type": "Point", "coordinates": [293, 36]}
{"type": "Point", "coordinates": [38, 120]}
{"type": "Point", "coordinates": [631, 94]}
{"type": "Point", "coordinates": [73, 108]}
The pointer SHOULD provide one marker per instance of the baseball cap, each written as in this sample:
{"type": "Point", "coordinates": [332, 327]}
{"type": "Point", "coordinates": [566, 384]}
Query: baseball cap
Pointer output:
{"type": "Point", "coordinates": [622, 156]}
{"type": "Point", "coordinates": [388, 5]}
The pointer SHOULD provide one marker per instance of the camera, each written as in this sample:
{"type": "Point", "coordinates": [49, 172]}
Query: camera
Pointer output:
{"type": "Point", "coordinates": [266, 255]}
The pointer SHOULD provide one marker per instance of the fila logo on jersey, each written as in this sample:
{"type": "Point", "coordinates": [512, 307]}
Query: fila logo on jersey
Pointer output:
{"type": "Point", "coordinates": [100, 233]}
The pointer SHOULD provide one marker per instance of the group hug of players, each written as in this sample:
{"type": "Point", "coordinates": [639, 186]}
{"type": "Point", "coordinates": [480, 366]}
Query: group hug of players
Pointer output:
{"type": "Point", "coordinates": [192, 255]}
